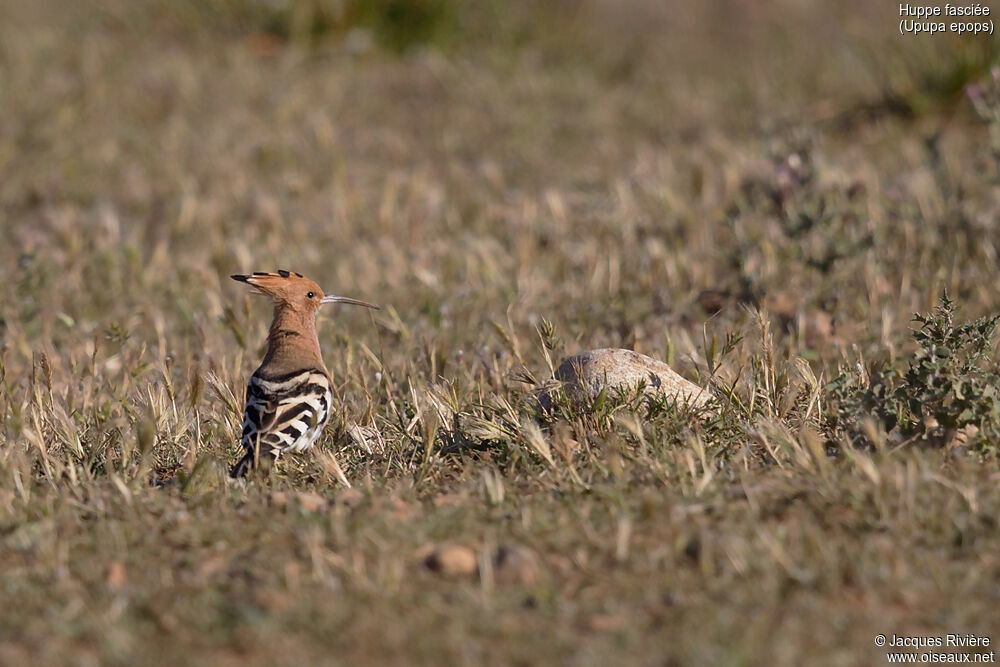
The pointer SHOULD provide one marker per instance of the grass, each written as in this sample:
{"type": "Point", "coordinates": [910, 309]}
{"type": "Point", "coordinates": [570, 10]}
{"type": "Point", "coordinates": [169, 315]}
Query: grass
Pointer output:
{"type": "Point", "coordinates": [767, 222]}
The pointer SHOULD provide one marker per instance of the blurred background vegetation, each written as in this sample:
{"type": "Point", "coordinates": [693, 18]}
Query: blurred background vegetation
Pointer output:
{"type": "Point", "coordinates": [762, 194]}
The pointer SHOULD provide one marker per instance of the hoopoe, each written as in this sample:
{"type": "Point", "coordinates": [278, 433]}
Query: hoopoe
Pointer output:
{"type": "Point", "coordinates": [289, 396]}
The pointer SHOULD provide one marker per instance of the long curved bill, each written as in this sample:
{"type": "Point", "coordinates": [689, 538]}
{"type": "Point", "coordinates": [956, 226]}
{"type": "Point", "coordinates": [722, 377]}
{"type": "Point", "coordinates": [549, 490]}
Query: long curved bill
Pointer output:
{"type": "Point", "coordinates": [333, 298]}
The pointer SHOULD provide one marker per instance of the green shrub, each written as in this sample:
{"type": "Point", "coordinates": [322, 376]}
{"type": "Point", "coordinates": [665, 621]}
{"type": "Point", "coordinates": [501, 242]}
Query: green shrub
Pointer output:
{"type": "Point", "coordinates": [985, 98]}
{"type": "Point", "coordinates": [948, 388]}
{"type": "Point", "coordinates": [401, 24]}
{"type": "Point", "coordinates": [395, 24]}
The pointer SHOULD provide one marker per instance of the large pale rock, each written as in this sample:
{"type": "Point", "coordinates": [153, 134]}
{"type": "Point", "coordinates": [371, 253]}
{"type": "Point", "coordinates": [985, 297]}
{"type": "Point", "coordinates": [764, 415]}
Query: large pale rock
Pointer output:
{"type": "Point", "coordinates": [586, 374]}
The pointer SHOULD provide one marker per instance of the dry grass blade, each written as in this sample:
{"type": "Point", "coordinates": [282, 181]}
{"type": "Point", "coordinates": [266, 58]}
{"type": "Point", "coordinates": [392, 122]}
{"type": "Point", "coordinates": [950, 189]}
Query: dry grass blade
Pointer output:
{"type": "Point", "coordinates": [512, 187]}
{"type": "Point", "coordinates": [331, 465]}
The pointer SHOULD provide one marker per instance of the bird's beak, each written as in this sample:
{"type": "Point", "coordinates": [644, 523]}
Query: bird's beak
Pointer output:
{"type": "Point", "coordinates": [333, 298]}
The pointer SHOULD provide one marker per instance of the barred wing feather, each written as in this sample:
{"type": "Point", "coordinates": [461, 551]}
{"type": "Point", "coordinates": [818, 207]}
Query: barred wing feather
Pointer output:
{"type": "Point", "coordinates": [285, 413]}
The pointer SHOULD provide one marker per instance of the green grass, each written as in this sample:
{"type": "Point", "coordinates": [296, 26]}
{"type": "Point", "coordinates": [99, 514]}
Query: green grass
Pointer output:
{"type": "Point", "coordinates": [512, 185]}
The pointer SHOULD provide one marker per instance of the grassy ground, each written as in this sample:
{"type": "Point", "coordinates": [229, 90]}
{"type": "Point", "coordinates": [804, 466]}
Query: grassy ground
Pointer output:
{"type": "Point", "coordinates": [797, 180]}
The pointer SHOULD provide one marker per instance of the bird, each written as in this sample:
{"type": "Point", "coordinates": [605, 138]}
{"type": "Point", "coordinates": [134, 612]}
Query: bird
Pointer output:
{"type": "Point", "coordinates": [289, 396]}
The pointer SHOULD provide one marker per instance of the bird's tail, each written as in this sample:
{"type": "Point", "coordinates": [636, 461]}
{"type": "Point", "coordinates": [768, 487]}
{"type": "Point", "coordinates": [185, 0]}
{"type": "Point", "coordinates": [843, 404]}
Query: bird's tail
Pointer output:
{"type": "Point", "coordinates": [243, 468]}
{"type": "Point", "coordinates": [249, 463]}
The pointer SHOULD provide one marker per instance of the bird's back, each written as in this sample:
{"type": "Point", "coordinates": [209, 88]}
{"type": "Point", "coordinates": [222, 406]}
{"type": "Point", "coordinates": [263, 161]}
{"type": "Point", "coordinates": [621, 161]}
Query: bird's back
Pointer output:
{"type": "Point", "coordinates": [285, 412]}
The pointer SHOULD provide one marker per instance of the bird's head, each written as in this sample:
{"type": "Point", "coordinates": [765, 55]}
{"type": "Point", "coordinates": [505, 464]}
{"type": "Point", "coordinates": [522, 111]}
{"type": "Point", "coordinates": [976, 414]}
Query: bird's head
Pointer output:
{"type": "Point", "coordinates": [293, 290]}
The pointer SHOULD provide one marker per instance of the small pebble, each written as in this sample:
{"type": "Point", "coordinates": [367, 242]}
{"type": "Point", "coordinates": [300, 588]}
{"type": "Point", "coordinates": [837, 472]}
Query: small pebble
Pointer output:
{"type": "Point", "coordinates": [307, 500]}
{"type": "Point", "coordinates": [516, 564]}
{"type": "Point", "coordinates": [452, 560]}
{"type": "Point", "coordinates": [117, 577]}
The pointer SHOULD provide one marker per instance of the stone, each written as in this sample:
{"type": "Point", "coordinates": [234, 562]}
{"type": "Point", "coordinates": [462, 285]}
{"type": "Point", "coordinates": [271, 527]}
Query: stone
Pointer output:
{"type": "Point", "coordinates": [585, 375]}
{"type": "Point", "coordinates": [515, 564]}
{"type": "Point", "coordinates": [452, 560]}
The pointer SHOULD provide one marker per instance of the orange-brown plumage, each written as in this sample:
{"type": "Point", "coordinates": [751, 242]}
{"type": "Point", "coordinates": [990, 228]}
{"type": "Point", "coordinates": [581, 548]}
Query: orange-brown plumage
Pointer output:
{"type": "Point", "coordinates": [288, 396]}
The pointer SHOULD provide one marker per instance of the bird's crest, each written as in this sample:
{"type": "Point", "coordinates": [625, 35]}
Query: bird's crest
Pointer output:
{"type": "Point", "coordinates": [293, 289]}
{"type": "Point", "coordinates": [279, 285]}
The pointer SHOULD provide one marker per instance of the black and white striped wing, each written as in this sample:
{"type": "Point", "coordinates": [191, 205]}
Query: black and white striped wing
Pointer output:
{"type": "Point", "coordinates": [285, 413]}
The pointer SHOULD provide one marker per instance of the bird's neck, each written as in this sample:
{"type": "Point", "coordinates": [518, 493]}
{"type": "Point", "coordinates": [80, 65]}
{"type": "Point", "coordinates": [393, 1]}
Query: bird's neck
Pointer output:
{"type": "Point", "coordinates": [292, 342]}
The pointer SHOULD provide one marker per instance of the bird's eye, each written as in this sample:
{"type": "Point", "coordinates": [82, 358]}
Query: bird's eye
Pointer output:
{"type": "Point", "coordinates": [310, 295]}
